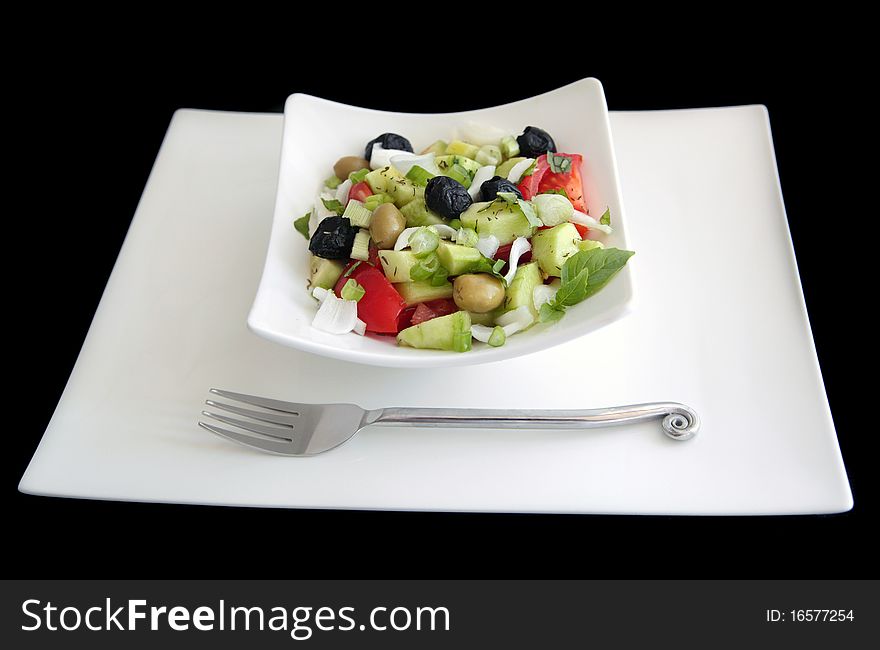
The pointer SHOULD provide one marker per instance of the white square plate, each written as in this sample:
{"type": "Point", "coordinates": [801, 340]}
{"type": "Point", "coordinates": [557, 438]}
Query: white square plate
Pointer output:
{"type": "Point", "coordinates": [730, 339]}
{"type": "Point", "coordinates": [317, 132]}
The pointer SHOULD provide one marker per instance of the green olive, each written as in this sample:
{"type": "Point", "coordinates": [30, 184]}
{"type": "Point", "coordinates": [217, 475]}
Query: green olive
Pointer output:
{"type": "Point", "coordinates": [386, 225]}
{"type": "Point", "coordinates": [477, 292]}
{"type": "Point", "coordinates": [348, 164]}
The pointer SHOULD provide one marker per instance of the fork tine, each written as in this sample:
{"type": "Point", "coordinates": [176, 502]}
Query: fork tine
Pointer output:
{"type": "Point", "coordinates": [262, 416]}
{"type": "Point", "coordinates": [272, 432]}
{"type": "Point", "coordinates": [263, 444]}
{"type": "Point", "coordinates": [265, 402]}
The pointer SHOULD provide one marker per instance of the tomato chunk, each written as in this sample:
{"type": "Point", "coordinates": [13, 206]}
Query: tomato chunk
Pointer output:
{"type": "Point", "coordinates": [359, 191]}
{"type": "Point", "coordinates": [381, 305]}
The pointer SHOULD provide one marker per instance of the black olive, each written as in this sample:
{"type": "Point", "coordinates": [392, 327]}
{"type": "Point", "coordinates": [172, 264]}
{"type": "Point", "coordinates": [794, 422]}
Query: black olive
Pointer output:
{"type": "Point", "coordinates": [447, 197]}
{"type": "Point", "coordinates": [388, 141]}
{"type": "Point", "coordinates": [333, 239]}
{"type": "Point", "coordinates": [489, 189]}
{"type": "Point", "coordinates": [534, 142]}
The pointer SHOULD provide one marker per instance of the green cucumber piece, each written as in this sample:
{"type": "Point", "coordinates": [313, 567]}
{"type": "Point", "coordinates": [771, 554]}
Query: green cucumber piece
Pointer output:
{"type": "Point", "coordinates": [416, 213]}
{"type": "Point", "coordinates": [522, 288]}
{"type": "Point", "coordinates": [457, 147]}
{"type": "Point", "coordinates": [551, 247]}
{"type": "Point", "coordinates": [324, 273]}
{"type": "Point", "coordinates": [504, 168]}
{"type": "Point", "coordinates": [415, 292]}
{"type": "Point", "coordinates": [489, 155]}
{"type": "Point", "coordinates": [397, 264]}
{"type": "Point", "coordinates": [437, 148]}
{"type": "Point", "coordinates": [509, 147]}
{"type": "Point", "coordinates": [459, 259]}
{"type": "Point", "coordinates": [504, 220]}
{"type": "Point", "coordinates": [450, 332]}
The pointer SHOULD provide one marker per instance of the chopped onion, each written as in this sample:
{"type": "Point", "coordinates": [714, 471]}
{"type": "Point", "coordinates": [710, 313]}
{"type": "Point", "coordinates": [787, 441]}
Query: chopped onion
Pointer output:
{"type": "Point", "coordinates": [320, 293]}
{"type": "Point", "coordinates": [520, 245]}
{"type": "Point", "coordinates": [343, 190]}
{"type": "Point", "coordinates": [543, 293]}
{"type": "Point", "coordinates": [516, 320]}
{"type": "Point", "coordinates": [404, 237]}
{"type": "Point", "coordinates": [360, 327]}
{"type": "Point", "coordinates": [488, 246]}
{"type": "Point", "coordinates": [483, 174]}
{"type": "Point", "coordinates": [517, 170]}
{"type": "Point", "coordinates": [335, 315]}
{"type": "Point", "coordinates": [552, 209]}
{"type": "Point", "coordinates": [589, 222]}
{"type": "Point", "coordinates": [381, 157]}
{"type": "Point", "coordinates": [480, 134]}
{"type": "Point", "coordinates": [445, 232]}
{"type": "Point", "coordinates": [481, 332]}
{"type": "Point", "coordinates": [404, 162]}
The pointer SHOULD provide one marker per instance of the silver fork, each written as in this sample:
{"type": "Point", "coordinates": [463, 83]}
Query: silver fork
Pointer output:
{"type": "Point", "coordinates": [292, 429]}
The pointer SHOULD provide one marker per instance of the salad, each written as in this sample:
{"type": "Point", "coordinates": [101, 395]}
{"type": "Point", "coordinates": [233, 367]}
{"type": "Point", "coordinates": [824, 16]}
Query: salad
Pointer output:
{"type": "Point", "coordinates": [473, 239]}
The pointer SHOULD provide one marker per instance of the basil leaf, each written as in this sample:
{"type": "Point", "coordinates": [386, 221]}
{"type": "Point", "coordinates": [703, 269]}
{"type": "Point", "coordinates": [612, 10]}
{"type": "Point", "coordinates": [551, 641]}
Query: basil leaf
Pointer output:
{"type": "Point", "coordinates": [333, 182]}
{"type": "Point", "coordinates": [334, 206]}
{"type": "Point", "coordinates": [530, 213]}
{"type": "Point", "coordinates": [605, 219]}
{"type": "Point", "coordinates": [551, 312]}
{"type": "Point", "coordinates": [302, 224]}
{"type": "Point", "coordinates": [600, 265]}
{"type": "Point", "coordinates": [559, 164]}
{"type": "Point", "coordinates": [574, 288]}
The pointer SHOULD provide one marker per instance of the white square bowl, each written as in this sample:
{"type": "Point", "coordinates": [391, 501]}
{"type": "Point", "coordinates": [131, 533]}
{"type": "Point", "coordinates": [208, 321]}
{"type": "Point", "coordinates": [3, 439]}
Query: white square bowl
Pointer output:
{"type": "Point", "coordinates": [317, 132]}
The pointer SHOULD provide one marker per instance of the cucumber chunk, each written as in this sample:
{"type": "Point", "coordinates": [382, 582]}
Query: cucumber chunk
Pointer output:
{"type": "Point", "coordinates": [550, 248]}
{"type": "Point", "coordinates": [450, 332]}
{"type": "Point", "coordinates": [458, 259]}
{"type": "Point", "coordinates": [522, 288]}
{"type": "Point", "coordinates": [324, 273]}
{"type": "Point", "coordinates": [397, 264]}
{"type": "Point", "coordinates": [415, 292]}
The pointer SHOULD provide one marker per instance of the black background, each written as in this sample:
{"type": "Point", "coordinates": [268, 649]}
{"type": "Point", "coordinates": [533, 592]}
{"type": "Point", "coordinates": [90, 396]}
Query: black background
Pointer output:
{"type": "Point", "coordinates": [92, 114]}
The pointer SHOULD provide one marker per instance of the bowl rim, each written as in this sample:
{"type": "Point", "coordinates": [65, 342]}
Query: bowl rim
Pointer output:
{"type": "Point", "coordinates": [414, 358]}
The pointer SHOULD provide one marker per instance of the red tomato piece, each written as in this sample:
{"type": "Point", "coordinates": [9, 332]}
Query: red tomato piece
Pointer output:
{"type": "Point", "coordinates": [381, 305]}
{"type": "Point", "coordinates": [359, 191]}
{"type": "Point", "coordinates": [422, 313]}
{"type": "Point", "coordinates": [405, 318]}
{"type": "Point", "coordinates": [569, 181]}
{"type": "Point", "coordinates": [582, 229]}
{"type": "Point", "coordinates": [528, 185]}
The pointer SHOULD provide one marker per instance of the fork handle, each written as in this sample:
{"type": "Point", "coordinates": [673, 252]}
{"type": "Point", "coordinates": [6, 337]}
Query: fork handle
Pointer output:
{"type": "Point", "coordinates": [679, 422]}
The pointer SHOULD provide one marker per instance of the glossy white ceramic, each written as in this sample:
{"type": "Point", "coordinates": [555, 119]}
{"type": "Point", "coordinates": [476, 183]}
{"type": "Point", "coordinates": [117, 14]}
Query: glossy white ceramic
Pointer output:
{"type": "Point", "coordinates": [730, 339]}
{"type": "Point", "coordinates": [317, 132]}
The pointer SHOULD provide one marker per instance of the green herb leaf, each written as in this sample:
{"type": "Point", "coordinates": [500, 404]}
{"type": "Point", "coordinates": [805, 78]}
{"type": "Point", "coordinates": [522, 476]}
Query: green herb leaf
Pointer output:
{"type": "Point", "coordinates": [556, 190]}
{"type": "Point", "coordinates": [302, 224]}
{"type": "Point", "coordinates": [586, 272]}
{"type": "Point", "coordinates": [351, 290]}
{"type": "Point", "coordinates": [605, 219]}
{"type": "Point", "coordinates": [358, 176]}
{"type": "Point", "coordinates": [334, 206]}
{"type": "Point", "coordinates": [333, 182]}
{"type": "Point", "coordinates": [574, 288]}
{"type": "Point", "coordinates": [509, 197]}
{"type": "Point", "coordinates": [530, 213]}
{"type": "Point", "coordinates": [550, 312]}
{"type": "Point", "coordinates": [559, 164]}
